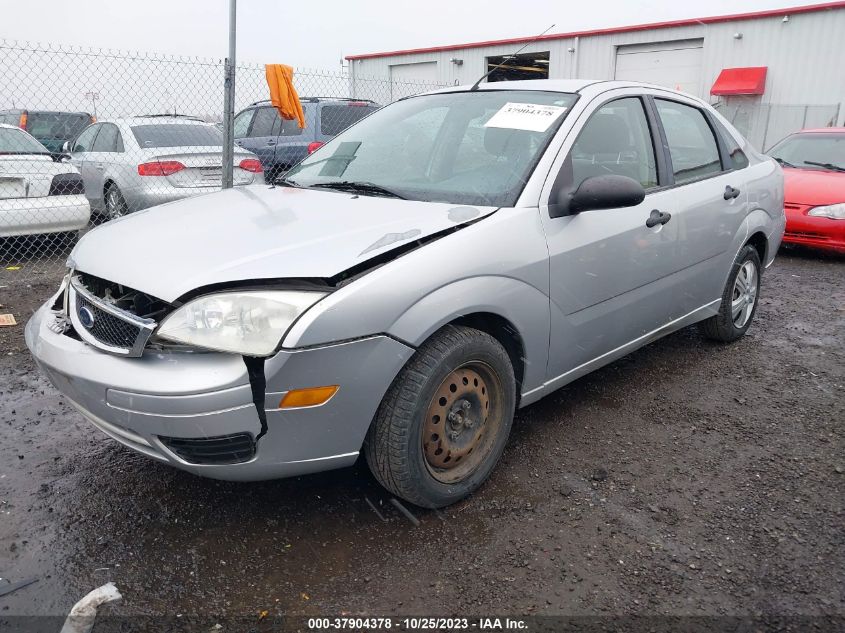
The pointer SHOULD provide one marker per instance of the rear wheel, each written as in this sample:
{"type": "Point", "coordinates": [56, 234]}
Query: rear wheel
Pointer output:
{"type": "Point", "coordinates": [739, 299]}
{"type": "Point", "coordinates": [444, 422]}
{"type": "Point", "coordinates": [114, 202]}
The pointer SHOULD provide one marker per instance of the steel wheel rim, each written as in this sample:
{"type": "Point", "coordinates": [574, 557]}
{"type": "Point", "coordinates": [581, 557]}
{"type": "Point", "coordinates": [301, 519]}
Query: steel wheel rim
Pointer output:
{"type": "Point", "coordinates": [744, 295]}
{"type": "Point", "coordinates": [462, 422]}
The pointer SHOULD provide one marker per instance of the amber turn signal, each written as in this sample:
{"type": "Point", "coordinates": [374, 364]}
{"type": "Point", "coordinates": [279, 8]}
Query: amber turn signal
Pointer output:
{"type": "Point", "coordinates": [311, 397]}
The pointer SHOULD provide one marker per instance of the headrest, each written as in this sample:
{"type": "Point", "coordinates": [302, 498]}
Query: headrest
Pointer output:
{"type": "Point", "coordinates": [605, 133]}
{"type": "Point", "coordinates": [503, 142]}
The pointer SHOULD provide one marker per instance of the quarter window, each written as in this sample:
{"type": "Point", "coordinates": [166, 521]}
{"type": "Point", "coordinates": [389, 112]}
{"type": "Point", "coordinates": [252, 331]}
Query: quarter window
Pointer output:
{"type": "Point", "coordinates": [616, 140]}
{"type": "Point", "coordinates": [738, 159]}
{"type": "Point", "coordinates": [692, 146]}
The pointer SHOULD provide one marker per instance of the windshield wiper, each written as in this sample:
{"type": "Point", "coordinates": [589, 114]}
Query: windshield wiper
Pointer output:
{"type": "Point", "coordinates": [782, 162]}
{"type": "Point", "coordinates": [829, 166]}
{"type": "Point", "coordinates": [359, 187]}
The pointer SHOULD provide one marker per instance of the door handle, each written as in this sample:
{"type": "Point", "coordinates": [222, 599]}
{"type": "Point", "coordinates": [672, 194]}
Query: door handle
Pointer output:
{"type": "Point", "coordinates": [99, 165]}
{"type": "Point", "coordinates": [731, 193]}
{"type": "Point", "coordinates": [657, 217]}
{"type": "Point", "coordinates": [271, 142]}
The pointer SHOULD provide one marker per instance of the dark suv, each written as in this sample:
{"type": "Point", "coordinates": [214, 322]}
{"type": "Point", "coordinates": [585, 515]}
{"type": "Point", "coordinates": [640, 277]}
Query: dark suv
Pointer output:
{"type": "Point", "coordinates": [280, 143]}
{"type": "Point", "coordinates": [52, 129]}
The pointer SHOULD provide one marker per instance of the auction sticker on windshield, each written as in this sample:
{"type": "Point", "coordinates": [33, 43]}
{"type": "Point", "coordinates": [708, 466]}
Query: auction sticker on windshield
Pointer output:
{"type": "Point", "coordinates": [526, 116]}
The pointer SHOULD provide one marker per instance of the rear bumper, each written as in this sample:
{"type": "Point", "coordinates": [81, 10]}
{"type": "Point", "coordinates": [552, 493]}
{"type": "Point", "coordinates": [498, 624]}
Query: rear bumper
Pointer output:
{"type": "Point", "coordinates": [138, 401]}
{"type": "Point", "coordinates": [48, 214]}
{"type": "Point", "coordinates": [821, 233]}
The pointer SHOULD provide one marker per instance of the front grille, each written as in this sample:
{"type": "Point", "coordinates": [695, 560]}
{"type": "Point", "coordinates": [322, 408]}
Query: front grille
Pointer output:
{"type": "Point", "coordinates": [108, 328]}
{"type": "Point", "coordinates": [105, 326]}
{"type": "Point", "coordinates": [223, 449]}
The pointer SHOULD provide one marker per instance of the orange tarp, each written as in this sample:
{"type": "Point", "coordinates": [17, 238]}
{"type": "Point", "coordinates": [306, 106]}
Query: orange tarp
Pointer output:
{"type": "Point", "coordinates": [282, 93]}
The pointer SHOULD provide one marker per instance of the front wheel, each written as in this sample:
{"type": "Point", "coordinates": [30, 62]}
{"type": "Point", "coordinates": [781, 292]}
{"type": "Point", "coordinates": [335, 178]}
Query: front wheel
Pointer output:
{"type": "Point", "coordinates": [739, 299]}
{"type": "Point", "coordinates": [444, 422]}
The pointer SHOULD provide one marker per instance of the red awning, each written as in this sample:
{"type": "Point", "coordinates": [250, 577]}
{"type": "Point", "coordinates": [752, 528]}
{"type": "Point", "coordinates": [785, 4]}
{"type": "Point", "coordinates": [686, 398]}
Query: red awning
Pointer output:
{"type": "Point", "coordinates": [740, 81]}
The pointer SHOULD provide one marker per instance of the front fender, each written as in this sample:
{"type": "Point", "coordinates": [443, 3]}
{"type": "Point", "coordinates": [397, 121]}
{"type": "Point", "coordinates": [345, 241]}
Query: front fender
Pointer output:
{"type": "Point", "coordinates": [497, 265]}
{"type": "Point", "coordinates": [522, 305]}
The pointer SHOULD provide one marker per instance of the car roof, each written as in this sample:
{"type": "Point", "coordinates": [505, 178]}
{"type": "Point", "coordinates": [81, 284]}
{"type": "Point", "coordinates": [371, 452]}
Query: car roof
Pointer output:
{"type": "Point", "coordinates": [155, 120]}
{"type": "Point", "coordinates": [822, 130]}
{"type": "Point", "coordinates": [560, 85]}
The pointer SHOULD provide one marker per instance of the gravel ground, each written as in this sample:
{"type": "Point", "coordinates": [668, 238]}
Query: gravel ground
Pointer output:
{"type": "Point", "coordinates": [688, 478]}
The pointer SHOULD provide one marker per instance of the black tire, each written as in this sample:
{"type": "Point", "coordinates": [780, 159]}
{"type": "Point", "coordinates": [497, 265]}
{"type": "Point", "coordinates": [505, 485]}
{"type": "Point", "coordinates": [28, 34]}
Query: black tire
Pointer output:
{"type": "Point", "coordinates": [726, 327]}
{"type": "Point", "coordinates": [398, 448]}
{"type": "Point", "coordinates": [114, 202]}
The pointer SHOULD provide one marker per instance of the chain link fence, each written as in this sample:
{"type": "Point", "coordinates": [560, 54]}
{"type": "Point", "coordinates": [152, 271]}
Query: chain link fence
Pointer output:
{"type": "Point", "coordinates": [87, 136]}
{"type": "Point", "coordinates": [764, 124]}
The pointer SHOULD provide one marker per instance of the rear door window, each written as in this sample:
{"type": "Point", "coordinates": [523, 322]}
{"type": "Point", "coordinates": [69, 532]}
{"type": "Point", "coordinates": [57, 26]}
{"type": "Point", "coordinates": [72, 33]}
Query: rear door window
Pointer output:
{"type": "Point", "coordinates": [692, 146]}
{"type": "Point", "coordinates": [336, 118]}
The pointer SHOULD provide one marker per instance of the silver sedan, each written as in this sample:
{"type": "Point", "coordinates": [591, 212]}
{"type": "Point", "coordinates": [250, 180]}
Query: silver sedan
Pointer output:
{"type": "Point", "coordinates": [139, 162]}
{"type": "Point", "coordinates": [449, 259]}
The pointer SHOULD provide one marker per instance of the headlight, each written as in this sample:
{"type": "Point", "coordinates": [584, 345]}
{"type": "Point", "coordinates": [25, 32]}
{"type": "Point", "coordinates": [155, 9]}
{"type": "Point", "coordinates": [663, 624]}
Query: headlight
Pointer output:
{"type": "Point", "coordinates": [832, 211]}
{"type": "Point", "coordinates": [249, 323]}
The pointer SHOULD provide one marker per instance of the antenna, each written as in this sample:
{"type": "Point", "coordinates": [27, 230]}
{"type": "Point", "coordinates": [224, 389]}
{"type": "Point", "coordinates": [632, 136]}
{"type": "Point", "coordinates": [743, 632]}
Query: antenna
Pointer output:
{"type": "Point", "coordinates": [508, 58]}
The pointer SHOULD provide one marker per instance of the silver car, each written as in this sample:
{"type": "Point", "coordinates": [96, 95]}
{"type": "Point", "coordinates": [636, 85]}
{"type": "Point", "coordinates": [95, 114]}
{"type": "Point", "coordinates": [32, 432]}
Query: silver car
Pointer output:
{"type": "Point", "coordinates": [447, 260]}
{"type": "Point", "coordinates": [139, 162]}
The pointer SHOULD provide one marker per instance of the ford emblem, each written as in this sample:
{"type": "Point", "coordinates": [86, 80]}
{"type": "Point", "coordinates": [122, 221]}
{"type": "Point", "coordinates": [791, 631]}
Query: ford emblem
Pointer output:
{"type": "Point", "coordinates": [86, 317]}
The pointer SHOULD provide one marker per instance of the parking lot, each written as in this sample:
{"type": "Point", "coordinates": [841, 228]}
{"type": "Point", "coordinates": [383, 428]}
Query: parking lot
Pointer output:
{"type": "Point", "coordinates": [689, 478]}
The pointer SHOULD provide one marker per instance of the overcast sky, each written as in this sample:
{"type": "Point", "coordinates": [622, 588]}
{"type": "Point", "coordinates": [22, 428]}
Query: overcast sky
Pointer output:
{"type": "Point", "coordinates": [317, 34]}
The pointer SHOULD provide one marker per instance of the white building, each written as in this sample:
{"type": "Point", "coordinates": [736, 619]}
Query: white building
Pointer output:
{"type": "Point", "coordinates": [770, 72]}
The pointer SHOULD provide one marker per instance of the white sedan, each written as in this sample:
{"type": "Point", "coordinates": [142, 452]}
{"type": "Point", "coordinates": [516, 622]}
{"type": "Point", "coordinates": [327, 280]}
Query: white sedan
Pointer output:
{"type": "Point", "coordinates": [39, 194]}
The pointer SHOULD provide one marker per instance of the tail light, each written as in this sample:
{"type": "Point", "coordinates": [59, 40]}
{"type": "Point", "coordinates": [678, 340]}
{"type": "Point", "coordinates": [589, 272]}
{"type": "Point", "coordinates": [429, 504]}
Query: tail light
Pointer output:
{"type": "Point", "coordinates": [93, 119]}
{"type": "Point", "coordinates": [251, 164]}
{"type": "Point", "coordinates": [313, 147]}
{"type": "Point", "coordinates": [160, 168]}
{"type": "Point", "coordinates": [22, 121]}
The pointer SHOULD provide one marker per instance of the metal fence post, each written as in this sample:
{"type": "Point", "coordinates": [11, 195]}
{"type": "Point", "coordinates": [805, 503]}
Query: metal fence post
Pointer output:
{"type": "Point", "coordinates": [229, 101]}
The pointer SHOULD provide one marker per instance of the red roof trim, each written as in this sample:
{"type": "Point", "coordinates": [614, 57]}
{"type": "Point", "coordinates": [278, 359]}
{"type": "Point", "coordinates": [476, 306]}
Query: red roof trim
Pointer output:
{"type": "Point", "coordinates": [740, 81]}
{"type": "Point", "coordinates": [618, 29]}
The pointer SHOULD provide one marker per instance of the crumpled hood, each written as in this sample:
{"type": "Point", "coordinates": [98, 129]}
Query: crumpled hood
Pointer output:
{"type": "Point", "coordinates": [256, 232]}
{"type": "Point", "coordinates": [813, 187]}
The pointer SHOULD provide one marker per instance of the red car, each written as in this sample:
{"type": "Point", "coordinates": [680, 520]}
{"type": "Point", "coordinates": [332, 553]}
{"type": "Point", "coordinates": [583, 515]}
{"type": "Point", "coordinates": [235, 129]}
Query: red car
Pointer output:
{"type": "Point", "coordinates": [814, 180]}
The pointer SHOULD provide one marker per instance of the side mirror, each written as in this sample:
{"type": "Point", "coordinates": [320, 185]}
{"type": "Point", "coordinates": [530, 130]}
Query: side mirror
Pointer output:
{"type": "Point", "coordinates": [66, 147]}
{"type": "Point", "coordinates": [601, 192]}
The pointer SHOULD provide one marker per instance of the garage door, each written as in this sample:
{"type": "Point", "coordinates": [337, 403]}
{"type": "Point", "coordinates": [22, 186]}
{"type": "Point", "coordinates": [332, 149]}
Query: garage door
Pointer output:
{"type": "Point", "coordinates": [676, 65]}
{"type": "Point", "coordinates": [410, 79]}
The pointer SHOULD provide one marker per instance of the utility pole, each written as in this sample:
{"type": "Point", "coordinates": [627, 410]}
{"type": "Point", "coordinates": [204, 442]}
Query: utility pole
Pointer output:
{"type": "Point", "coordinates": [229, 101]}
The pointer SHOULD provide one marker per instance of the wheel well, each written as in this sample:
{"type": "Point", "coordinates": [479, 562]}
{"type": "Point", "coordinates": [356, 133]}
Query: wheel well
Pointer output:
{"type": "Point", "coordinates": [759, 241]}
{"type": "Point", "coordinates": [503, 331]}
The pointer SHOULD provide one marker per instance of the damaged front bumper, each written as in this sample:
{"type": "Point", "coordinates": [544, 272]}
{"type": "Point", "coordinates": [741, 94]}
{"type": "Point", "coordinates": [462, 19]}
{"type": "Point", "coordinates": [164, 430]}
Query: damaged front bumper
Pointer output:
{"type": "Point", "coordinates": [196, 411]}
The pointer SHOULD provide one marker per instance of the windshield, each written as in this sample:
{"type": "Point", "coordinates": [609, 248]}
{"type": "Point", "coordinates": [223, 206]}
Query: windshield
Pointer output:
{"type": "Point", "coordinates": [177, 135]}
{"type": "Point", "coordinates": [19, 142]}
{"type": "Point", "coordinates": [817, 151]}
{"type": "Point", "coordinates": [463, 148]}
